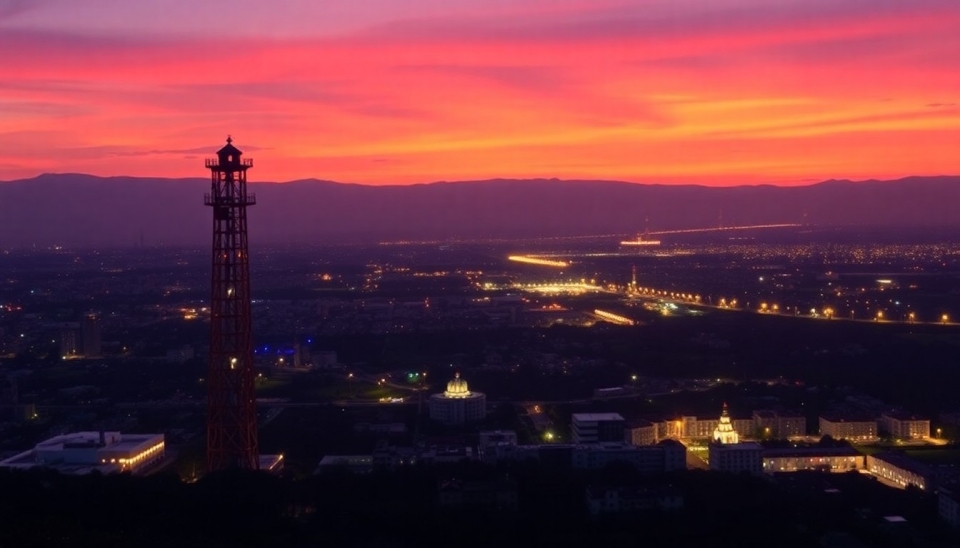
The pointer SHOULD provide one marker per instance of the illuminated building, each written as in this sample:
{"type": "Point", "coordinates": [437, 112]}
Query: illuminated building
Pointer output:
{"type": "Point", "coordinates": [824, 459]}
{"type": "Point", "coordinates": [643, 434]}
{"type": "Point", "coordinates": [597, 427]}
{"type": "Point", "coordinates": [724, 433]}
{"type": "Point", "coordinates": [843, 429]}
{"type": "Point", "coordinates": [904, 426]}
{"type": "Point", "coordinates": [900, 470]}
{"type": "Point", "coordinates": [765, 424]}
{"type": "Point", "coordinates": [458, 405]}
{"type": "Point", "coordinates": [727, 454]}
{"type": "Point", "coordinates": [85, 452]}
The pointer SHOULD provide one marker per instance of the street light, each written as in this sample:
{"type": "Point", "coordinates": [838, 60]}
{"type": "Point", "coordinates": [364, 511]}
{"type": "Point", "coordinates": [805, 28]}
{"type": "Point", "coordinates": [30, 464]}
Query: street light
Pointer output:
{"type": "Point", "coordinates": [945, 318]}
{"type": "Point", "coordinates": [879, 315]}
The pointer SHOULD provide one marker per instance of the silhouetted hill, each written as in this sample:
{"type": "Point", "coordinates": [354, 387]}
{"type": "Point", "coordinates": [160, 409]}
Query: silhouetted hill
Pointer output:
{"type": "Point", "coordinates": [75, 209]}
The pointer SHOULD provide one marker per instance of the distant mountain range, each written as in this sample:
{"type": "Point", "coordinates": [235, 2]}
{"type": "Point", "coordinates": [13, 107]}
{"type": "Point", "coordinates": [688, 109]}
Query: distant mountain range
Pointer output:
{"type": "Point", "coordinates": [83, 210]}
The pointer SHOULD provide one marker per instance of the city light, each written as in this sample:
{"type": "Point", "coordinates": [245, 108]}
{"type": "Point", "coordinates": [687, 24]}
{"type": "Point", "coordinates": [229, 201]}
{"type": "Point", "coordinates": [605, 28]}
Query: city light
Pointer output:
{"type": "Point", "coordinates": [614, 318]}
{"type": "Point", "coordinates": [536, 261]}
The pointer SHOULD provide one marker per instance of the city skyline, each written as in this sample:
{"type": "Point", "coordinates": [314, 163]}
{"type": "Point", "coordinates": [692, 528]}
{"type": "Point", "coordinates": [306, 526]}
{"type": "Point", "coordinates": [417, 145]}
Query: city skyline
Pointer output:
{"type": "Point", "coordinates": [725, 93]}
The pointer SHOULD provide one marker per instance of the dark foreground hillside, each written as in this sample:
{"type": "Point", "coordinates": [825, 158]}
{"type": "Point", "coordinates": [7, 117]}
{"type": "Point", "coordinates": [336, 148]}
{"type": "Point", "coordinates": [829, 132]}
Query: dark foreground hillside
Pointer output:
{"type": "Point", "coordinates": [402, 509]}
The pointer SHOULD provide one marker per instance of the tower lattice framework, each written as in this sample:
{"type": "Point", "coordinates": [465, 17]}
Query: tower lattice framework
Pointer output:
{"type": "Point", "coordinates": [231, 399]}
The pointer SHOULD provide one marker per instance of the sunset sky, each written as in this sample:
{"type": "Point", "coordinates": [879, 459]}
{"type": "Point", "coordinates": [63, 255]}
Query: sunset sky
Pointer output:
{"type": "Point", "coordinates": [716, 92]}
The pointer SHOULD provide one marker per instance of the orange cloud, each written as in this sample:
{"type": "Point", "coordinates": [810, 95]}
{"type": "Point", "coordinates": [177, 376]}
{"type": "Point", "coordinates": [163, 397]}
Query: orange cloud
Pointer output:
{"type": "Point", "coordinates": [713, 98]}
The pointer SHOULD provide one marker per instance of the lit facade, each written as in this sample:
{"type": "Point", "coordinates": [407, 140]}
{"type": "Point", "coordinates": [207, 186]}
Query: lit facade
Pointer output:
{"type": "Point", "coordinates": [824, 459]}
{"type": "Point", "coordinates": [900, 470]}
{"type": "Point", "coordinates": [84, 452]}
{"type": "Point", "coordinates": [852, 430]}
{"type": "Point", "coordinates": [724, 432]}
{"type": "Point", "coordinates": [458, 405]}
{"type": "Point", "coordinates": [643, 434]}
{"type": "Point", "coordinates": [905, 427]}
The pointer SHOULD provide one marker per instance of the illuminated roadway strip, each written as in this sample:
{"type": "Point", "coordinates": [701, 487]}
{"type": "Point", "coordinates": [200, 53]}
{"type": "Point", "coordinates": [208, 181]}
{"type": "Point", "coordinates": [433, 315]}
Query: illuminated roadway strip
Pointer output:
{"type": "Point", "coordinates": [723, 228]}
{"type": "Point", "coordinates": [536, 261]}
{"type": "Point", "coordinates": [615, 318]}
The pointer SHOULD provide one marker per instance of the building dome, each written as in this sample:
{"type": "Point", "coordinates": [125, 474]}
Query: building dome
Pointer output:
{"type": "Point", "coordinates": [458, 404]}
{"type": "Point", "coordinates": [725, 433]}
{"type": "Point", "coordinates": [457, 388]}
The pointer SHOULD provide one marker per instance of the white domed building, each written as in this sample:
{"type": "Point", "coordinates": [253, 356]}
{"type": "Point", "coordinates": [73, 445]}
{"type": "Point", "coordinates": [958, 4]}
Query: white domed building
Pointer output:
{"type": "Point", "coordinates": [458, 404]}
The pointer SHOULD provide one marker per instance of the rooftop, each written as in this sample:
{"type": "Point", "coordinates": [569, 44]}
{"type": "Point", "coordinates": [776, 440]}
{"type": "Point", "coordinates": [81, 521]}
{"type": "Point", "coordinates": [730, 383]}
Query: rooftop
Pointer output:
{"type": "Point", "coordinates": [597, 417]}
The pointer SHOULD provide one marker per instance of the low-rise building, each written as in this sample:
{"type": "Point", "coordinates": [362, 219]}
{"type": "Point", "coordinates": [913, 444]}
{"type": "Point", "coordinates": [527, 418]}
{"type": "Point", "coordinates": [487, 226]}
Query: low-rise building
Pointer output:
{"type": "Point", "coordinates": [900, 470]}
{"type": "Point", "coordinates": [948, 502]}
{"type": "Point", "coordinates": [493, 494]}
{"type": "Point", "coordinates": [358, 464]}
{"type": "Point", "coordinates": [791, 425]}
{"type": "Point", "coordinates": [736, 457]}
{"type": "Point", "coordinates": [852, 429]}
{"type": "Point", "coordinates": [603, 499]}
{"type": "Point", "coordinates": [85, 452]}
{"type": "Point", "coordinates": [825, 459]}
{"type": "Point", "coordinates": [597, 428]}
{"type": "Point", "coordinates": [779, 425]}
{"type": "Point", "coordinates": [905, 426]}
{"type": "Point", "coordinates": [643, 433]}
{"type": "Point", "coordinates": [666, 456]}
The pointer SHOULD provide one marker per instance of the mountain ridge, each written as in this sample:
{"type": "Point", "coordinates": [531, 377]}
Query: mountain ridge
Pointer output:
{"type": "Point", "coordinates": [113, 211]}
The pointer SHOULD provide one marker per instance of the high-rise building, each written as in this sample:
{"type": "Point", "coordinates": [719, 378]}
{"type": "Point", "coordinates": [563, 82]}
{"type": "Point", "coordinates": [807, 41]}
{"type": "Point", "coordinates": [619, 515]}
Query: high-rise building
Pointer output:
{"type": "Point", "coordinates": [90, 332]}
{"type": "Point", "coordinates": [231, 403]}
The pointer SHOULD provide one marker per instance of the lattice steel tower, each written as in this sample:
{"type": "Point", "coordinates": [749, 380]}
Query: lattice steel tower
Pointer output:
{"type": "Point", "coordinates": [231, 403]}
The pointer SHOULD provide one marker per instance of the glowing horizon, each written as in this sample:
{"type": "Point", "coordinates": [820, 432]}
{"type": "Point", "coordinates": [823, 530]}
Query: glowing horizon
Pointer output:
{"type": "Point", "coordinates": [718, 93]}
